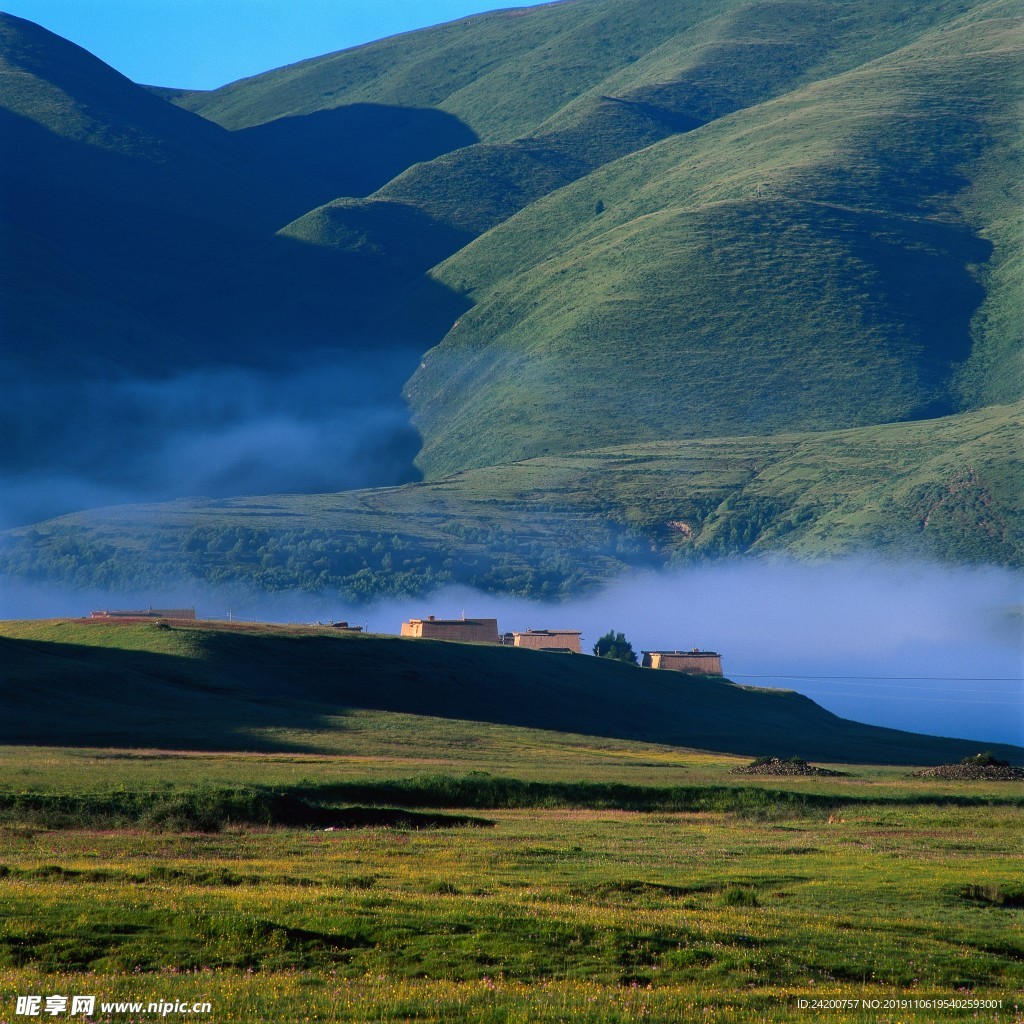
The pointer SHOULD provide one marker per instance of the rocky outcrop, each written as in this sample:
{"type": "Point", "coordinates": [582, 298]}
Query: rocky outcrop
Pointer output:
{"type": "Point", "coordinates": [776, 766]}
{"type": "Point", "coordinates": [973, 772]}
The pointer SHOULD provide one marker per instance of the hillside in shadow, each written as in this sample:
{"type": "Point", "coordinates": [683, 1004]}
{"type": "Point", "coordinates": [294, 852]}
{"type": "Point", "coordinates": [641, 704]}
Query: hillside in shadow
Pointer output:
{"type": "Point", "coordinates": [354, 149]}
{"type": "Point", "coordinates": [84, 683]}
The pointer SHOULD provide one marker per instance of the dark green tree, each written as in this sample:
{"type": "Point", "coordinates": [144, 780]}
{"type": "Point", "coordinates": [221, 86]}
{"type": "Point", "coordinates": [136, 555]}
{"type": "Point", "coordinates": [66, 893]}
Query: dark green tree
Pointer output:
{"type": "Point", "coordinates": [615, 646]}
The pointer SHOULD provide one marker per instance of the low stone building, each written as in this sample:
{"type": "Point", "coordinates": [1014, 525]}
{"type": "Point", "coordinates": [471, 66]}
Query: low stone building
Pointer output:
{"type": "Point", "coordinates": [480, 631]}
{"type": "Point", "coordinates": [548, 640]}
{"type": "Point", "coordinates": [695, 662]}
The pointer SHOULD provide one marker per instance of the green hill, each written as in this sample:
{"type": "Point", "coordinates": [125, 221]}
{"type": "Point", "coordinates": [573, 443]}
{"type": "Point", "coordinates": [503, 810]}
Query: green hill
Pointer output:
{"type": "Point", "coordinates": [119, 204]}
{"type": "Point", "coordinates": [102, 169]}
{"type": "Point", "coordinates": [839, 256]}
{"type": "Point", "coordinates": [207, 686]}
{"type": "Point", "coordinates": [151, 307]}
{"type": "Point", "coordinates": [724, 228]}
{"type": "Point", "coordinates": [947, 490]}
{"type": "Point", "coordinates": [608, 79]}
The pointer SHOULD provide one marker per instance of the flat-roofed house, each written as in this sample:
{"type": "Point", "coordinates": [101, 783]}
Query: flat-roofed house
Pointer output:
{"type": "Point", "coordinates": [549, 640]}
{"type": "Point", "coordinates": [479, 631]}
{"type": "Point", "coordinates": [695, 662]}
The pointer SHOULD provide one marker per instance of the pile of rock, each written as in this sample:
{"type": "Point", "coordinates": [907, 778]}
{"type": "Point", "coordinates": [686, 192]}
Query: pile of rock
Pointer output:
{"type": "Point", "coordinates": [776, 766]}
{"type": "Point", "coordinates": [973, 772]}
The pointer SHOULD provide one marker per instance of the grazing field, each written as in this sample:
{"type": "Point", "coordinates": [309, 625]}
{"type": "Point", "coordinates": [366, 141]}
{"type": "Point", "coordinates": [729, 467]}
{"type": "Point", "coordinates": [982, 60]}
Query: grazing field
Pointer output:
{"type": "Point", "coordinates": [867, 886]}
{"type": "Point", "coordinates": [371, 864]}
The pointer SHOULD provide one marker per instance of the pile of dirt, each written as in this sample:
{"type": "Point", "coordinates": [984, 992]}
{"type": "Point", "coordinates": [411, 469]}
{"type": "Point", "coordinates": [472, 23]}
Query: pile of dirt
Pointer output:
{"type": "Point", "coordinates": [776, 766]}
{"type": "Point", "coordinates": [973, 772]}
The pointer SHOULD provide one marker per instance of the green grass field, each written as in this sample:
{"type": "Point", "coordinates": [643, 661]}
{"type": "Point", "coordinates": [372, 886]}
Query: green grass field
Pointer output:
{"type": "Point", "coordinates": [218, 686]}
{"type": "Point", "coordinates": [553, 913]}
{"type": "Point", "coordinates": [392, 865]}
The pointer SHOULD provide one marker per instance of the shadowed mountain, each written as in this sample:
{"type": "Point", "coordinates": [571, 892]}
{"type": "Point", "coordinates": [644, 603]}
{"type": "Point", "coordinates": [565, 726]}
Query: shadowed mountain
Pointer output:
{"type": "Point", "coordinates": [146, 199]}
{"type": "Point", "coordinates": [353, 150]}
{"type": "Point", "coordinates": [217, 687]}
{"type": "Point", "coordinates": [148, 294]}
{"type": "Point", "coordinates": [172, 220]}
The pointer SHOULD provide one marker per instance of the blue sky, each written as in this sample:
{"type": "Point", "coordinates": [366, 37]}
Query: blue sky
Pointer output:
{"type": "Point", "coordinates": [201, 44]}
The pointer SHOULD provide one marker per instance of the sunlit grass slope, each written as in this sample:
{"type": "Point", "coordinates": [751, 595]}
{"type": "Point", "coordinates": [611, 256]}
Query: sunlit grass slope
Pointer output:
{"type": "Point", "coordinates": [222, 687]}
{"type": "Point", "coordinates": [948, 489]}
{"type": "Point", "coordinates": [839, 256]}
{"type": "Point", "coordinates": [607, 79]}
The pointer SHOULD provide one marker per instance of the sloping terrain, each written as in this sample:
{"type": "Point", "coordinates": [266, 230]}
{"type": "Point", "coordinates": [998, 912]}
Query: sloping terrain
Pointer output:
{"type": "Point", "coordinates": [610, 79]}
{"type": "Point", "coordinates": [947, 490]}
{"type": "Point", "coordinates": [113, 197]}
{"type": "Point", "coordinates": [554, 91]}
{"type": "Point", "coordinates": [197, 686]}
{"type": "Point", "coordinates": [812, 262]}
{"type": "Point", "coordinates": [96, 172]}
{"type": "Point", "coordinates": [147, 294]}
{"type": "Point", "coordinates": [717, 222]}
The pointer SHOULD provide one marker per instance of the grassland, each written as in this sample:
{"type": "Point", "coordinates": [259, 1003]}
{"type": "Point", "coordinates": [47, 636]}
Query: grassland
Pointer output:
{"type": "Point", "coordinates": [623, 226]}
{"type": "Point", "coordinates": [219, 686]}
{"type": "Point", "coordinates": [805, 223]}
{"type": "Point", "coordinates": [387, 865]}
{"type": "Point", "coordinates": [892, 888]}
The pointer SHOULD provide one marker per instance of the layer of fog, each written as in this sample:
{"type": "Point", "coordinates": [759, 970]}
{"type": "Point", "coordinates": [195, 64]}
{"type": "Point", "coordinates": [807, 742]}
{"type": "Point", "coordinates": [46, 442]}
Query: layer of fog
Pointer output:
{"type": "Point", "coordinates": [323, 426]}
{"type": "Point", "coordinates": [911, 646]}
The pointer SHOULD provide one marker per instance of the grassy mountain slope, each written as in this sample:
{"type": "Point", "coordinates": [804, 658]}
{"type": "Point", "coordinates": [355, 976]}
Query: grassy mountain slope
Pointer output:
{"type": "Point", "coordinates": [636, 75]}
{"type": "Point", "coordinates": [353, 150]}
{"type": "Point", "coordinates": [806, 263]}
{"type": "Point", "coordinates": [99, 169]}
{"type": "Point", "coordinates": [816, 224]}
{"type": "Point", "coordinates": [221, 687]}
{"type": "Point", "coordinates": [943, 489]}
{"type": "Point", "coordinates": [501, 74]}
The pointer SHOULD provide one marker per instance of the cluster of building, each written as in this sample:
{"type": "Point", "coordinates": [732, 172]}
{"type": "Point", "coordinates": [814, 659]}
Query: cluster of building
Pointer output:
{"type": "Point", "coordinates": [563, 641]}
{"type": "Point", "coordinates": [485, 631]}
{"type": "Point", "coordinates": [481, 631]}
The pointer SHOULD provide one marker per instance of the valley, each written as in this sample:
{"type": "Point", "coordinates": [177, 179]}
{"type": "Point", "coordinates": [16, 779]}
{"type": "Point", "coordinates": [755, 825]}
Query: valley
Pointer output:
{"type": "Point", "coordinates": [695, 320]}
{"type": "Point", "coordinates": [519, 237]}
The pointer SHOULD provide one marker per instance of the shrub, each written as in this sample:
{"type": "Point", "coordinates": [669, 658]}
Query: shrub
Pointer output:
{"type": "Point", "coordinates": [986, 759]}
